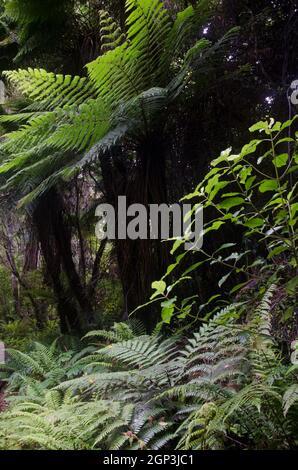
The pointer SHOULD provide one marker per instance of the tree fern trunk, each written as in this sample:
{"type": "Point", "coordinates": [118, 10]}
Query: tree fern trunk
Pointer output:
{"type": "Point", "coordinates": [140, 261]}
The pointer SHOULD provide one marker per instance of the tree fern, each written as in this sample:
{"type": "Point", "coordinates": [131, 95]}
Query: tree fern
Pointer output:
{"type": "Point", "coordinates": [49, 90]}
{"type": "Point", "coordinates": [110, 32]}
{"type": "Point", "coordinates": [126, 95]}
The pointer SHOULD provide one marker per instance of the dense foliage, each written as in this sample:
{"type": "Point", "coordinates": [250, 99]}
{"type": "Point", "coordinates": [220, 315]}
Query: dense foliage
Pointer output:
{"type": "Point", "coordinates": [142, 344]}
{"type": "Point", "coordinates": [223, 388]}
{"type": "Point", "coordinates": [227, 386]}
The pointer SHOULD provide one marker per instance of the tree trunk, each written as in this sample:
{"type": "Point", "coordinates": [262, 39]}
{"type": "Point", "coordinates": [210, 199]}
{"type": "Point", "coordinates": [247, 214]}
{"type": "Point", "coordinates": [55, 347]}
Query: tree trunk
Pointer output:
{"type": "Point", "coordinates": [140, 261]}
{"type": "Point", "coordinates": [31, 251]}
{"type": "Point", "coordinates": [74, 308]}
{"type": "Point", "coordinates": [16, 296]}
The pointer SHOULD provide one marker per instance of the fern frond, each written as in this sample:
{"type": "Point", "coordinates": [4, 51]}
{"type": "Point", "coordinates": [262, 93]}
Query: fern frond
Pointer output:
{"type": "Point", "coordinates": [51, 90]}
{"type": "Point", "coordinates": [290, 398]}
{"type": "Point", "coordinates": [110, 32]}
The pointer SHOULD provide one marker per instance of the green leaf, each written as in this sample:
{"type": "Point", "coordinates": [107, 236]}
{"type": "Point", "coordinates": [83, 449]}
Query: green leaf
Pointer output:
{"type": "Point", "coordinates": [214, 226]}
{"type": "Point", "coordinates": [287, 314]}
{"type": "Point", "coordinates": [281, 160]}
{"type": "Point", "coordinates": [244, 173]}
{"type": "Point", "coordinates": [176, 245]}
{"type": "Point", "coordinates": [238, 287]}
{"type": "Point", "coordinates": [231, 202]}
{"type": "Point", "coordinates": [284, 140]}
{"type": "Point", "coordinates": [223, 157]}
{"type": "Point", "coordinates": [169, 302]}
{"type": "Point", "coordinates": [251, 147]}
{"type": "Point", "coordinates": [277, 251]}
{"type": "Point", "coordinates": [176, 283]}
{"type": "Point", "coordinates": [268, 185]}
{"type": "Point", "coordinates": [224, 246]}
{"type": "Point", "coordinates": [292, 285]}
{"type": "Point", "coordinates": [218, 187]}
{"type": "Point", "coordinates": [294, 209]}
{"type": "Point", "coordinates": [259, 126]}
{"type": "Point", "coordinates": [288, 123]}
{"type": "Point", "coordinates": [231, 194]}
{"type": "Point", "coordinates": [249, 182]}
{"type": "Point", "coordinates": [255, 222]}
{"type": "Point", "coordinates": [167, 314]}
{"type": "Point", "coordinates": [174, 265]}
{"type": "Point", "coordinates": [159, 286]}
{"type": "Point", "coordinates": [193, 267]}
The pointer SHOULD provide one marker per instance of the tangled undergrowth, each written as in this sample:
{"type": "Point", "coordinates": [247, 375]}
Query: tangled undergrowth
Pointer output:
{"type": "Point", "coordinates": [232, 384]}
{"type": "Point", "coordinates": [226, 386]}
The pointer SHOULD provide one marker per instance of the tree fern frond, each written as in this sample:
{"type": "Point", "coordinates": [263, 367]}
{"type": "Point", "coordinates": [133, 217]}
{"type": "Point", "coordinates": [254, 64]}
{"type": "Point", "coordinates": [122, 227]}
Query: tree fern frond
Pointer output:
{"type": "Point", "coordinates": [185, 27]}
{"type": "Point", "coordinates": [290, 398]}
{"type": "Point", "coordinates": [148, 24]}
{"type": "Point", "coordinates": [110, 32]}
{"type": "Point", "coordinates": [49, 89]}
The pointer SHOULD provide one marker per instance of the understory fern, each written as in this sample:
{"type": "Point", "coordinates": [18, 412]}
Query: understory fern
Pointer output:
{"type": "Point", "coordinates": [224, 387]}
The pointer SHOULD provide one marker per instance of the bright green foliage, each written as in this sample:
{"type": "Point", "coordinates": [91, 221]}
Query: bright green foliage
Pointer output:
{"type": "Point", "coordinates": [226, 385]}
{"type": "Point", "coordinates": [76, 120]}
{"type": "Point", "coordinates": [15, 333]}
{"type": "Point", "coordinates": [40, 369]}
{"type": "Point", "coordinates": [215, 374]}
{"type": "Point", "coordinates": [256, 189]}
{"type": "Point", "coordinates": [6, 293]}
{"type": "Point", "coordinates": [49, 90]}
{"type": "Point", "coordinates": [110, 304]}
{"type": "Point", "coordinates": [255, 192]}
{"type": "Point", "coordinates": [110, 32]}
